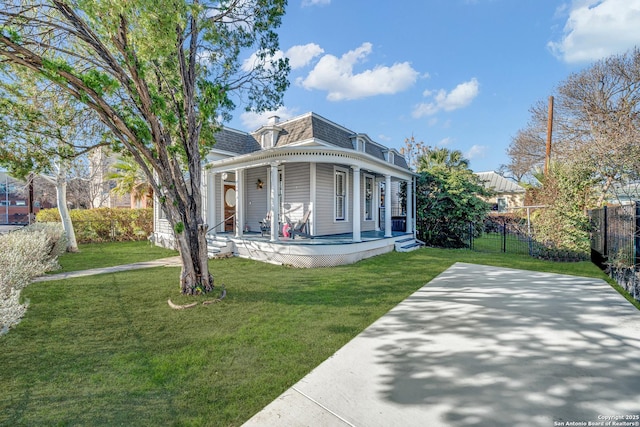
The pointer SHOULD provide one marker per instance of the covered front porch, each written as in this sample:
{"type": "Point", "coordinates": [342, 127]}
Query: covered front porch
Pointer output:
{"type": "Point", "coordinates": [320, 251]}
{"type": "Point", "coordinates": [333, 191]}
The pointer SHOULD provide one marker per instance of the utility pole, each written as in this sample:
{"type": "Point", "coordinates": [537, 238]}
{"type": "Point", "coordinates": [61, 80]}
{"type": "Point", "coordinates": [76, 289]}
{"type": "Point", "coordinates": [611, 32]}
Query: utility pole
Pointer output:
{"type": "Point", "coordinates": [547, 159]}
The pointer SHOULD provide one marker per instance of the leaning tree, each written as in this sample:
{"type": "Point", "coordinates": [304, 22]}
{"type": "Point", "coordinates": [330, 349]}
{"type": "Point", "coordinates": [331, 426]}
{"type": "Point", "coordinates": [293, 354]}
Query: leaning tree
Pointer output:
{"type": "Point", "coordinates": [161, 75]}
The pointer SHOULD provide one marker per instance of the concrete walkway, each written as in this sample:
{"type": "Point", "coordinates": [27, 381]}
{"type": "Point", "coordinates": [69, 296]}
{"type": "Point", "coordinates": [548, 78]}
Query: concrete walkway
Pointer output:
{"type": "Point", "coordinates": [481, 346]}
{"type": "Point", "coordinates": [162, 262]}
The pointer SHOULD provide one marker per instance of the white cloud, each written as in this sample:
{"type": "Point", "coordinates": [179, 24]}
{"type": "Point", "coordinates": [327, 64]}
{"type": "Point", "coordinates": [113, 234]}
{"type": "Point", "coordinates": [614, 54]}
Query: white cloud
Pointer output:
{"type": "Point", "coordinates": [306, 3]}
{"type": "Point", "coordinates": [476, 151]}
{"type": "Point", "coordinates": [336, 76]}
{"type": "Point", "coordinates": [301, 55]}
{"type": "Point", "coordinates": [444, 142]}
{"type": "Point", "coordinates": [459, 97]}
{"type": "Point", "coordinates": [598, 28]}
{"type": "Point", "coordinates": [253, 61]}
{"type": "Point", "coordinates": [253, 121]}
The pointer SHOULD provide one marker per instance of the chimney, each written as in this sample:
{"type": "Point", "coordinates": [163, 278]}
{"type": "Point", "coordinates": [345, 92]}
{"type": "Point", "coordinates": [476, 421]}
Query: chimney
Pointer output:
{"type": "Point", "coordinates": [273, 120]}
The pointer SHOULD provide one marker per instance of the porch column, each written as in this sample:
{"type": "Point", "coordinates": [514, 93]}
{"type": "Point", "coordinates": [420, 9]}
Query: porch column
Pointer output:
{"type": "Point", "coordinates": [409, 213]}
{"type": "Point", "coordinates": [211, 201]}
{"type": "Point", "coordinates": [356, 204]}
{"type": "Point", "coordinates": [387, 206]}
{"type": "Point", "coordinates": [275, 203]}
{"type": "Point", "coordinates": [312, 198]}
{"type": "Point", "coordinates": [239, 222]}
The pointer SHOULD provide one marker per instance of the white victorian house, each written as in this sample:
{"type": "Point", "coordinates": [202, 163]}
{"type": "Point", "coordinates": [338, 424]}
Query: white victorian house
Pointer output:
{"type": "Point", "coordinates": [305, 192]}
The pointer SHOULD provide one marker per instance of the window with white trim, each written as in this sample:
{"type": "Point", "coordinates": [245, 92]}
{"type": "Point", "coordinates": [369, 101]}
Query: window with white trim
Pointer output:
{"type": "Point", "coordinates": [368, 198]}
{"type": "Point", "coordinates": [502, 204]}
{"type": "Point", "coordinates": [161, 213]}
{"type": "Point", "coordinates": [340, 187]}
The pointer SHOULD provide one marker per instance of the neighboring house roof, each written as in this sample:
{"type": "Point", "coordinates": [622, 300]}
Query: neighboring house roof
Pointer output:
{"type": "Point", "coordinates": [307, 128]}
{"type": "Point", "coordinates": [498, 183]}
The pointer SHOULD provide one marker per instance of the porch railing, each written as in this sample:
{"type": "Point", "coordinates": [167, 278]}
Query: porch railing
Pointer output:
{"type": "Point", "coordinates": [224, 221]}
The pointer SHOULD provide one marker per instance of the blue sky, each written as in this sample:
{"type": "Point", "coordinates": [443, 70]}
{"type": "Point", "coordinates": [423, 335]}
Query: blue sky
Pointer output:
{"type": "Point", "coordinates": [455, 73]}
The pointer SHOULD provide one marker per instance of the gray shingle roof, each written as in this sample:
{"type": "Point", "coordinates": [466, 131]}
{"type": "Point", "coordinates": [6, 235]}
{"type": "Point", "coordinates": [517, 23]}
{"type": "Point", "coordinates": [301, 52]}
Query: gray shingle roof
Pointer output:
{"type": "Point", "coordinates": [399, 160]}
{"type": "Point", "coordinates": [498, 183]}
{"type": "Point", "coordinates": [235, 141]}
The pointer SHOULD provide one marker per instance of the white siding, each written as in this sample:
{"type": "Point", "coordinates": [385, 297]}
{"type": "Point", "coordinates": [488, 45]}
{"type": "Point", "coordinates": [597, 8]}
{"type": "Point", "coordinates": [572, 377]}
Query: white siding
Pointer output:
{"type": "Point", "coordinates": [325, 219]}
{"type": "Point", "coordinates": [162, 231]}
{"type": "Point", "coordinates": [297, 189]}
{"type": "Point", "coordinates": [324, 199]}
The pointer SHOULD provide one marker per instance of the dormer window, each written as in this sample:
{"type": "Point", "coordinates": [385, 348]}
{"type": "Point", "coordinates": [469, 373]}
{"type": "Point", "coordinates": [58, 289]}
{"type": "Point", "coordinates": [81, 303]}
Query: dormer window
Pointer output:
{"type": "Point", "coordinates": [361, 145]}
{"type": "Point", "coordinates": [266, 140]}
{"type": "Point", "coordinates": [390, 155]}
{"type": "Point", "coordinates": [269, 133]}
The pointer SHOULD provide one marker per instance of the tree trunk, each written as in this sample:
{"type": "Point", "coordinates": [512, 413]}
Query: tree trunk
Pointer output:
{"type": "Point", "coordinates": [603, 192]}
{"type": "Point", "coordinates": [192, 244]}
{"type": "Point", "coordinates": [65, 218]}
{"type": "Point", "coordinates": [184, 212]}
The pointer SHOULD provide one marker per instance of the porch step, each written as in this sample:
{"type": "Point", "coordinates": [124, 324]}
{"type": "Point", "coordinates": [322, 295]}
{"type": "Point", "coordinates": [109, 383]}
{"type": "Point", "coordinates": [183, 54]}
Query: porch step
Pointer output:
{"type": "Point", "coordinates": [218, 246]}
{"type": "Point", "coordinates": [217, 238]}
{"type": "Point", "coordinates": [408, 244]}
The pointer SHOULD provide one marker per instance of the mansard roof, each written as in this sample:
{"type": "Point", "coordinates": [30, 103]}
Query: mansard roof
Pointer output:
{"type": "Point", "coordinates": [307, 128]}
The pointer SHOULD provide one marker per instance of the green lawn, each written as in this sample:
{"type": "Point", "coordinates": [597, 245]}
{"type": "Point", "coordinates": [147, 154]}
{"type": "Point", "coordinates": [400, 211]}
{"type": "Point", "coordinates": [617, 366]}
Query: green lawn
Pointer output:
{"type": "Point", "coordinates": [107, 350]}
{"type": "Point", "coordinates": [97, 255]}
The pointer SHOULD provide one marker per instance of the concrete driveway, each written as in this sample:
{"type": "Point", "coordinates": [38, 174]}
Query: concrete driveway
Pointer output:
{"type": "Point", "coordinates": [481, 346]}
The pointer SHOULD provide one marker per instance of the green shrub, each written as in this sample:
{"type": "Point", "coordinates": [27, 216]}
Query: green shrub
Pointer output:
{"type": "Point", "coordinates": [447, 200]}
{"type": "Point", "coordinates": [564, 225]}
{"type": "Point", "coordinates": [56, 235]}
{"type": "Point", "coordinates": [105, 224]}
{"type": "Point", "coordinates": [25, 254]}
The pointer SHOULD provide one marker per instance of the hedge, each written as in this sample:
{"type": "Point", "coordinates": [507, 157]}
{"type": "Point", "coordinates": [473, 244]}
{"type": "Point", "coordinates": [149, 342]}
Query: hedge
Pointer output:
{"type": "Point", "coordinates": [105, 224]}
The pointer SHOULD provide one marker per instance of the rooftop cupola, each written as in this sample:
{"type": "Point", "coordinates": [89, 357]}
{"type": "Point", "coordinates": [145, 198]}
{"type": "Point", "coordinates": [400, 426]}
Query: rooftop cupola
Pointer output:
{"type": "Point", "coordinates": [270, 132]}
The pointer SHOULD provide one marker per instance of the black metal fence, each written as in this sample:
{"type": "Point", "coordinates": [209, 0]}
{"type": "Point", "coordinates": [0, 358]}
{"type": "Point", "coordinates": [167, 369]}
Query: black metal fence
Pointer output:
{"type": "Point", "coordinates": [501, 233]}
{"type": "Point", "coordinates": [615, 244]}
{"type": "Point", "coordinates": [515, 234]}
